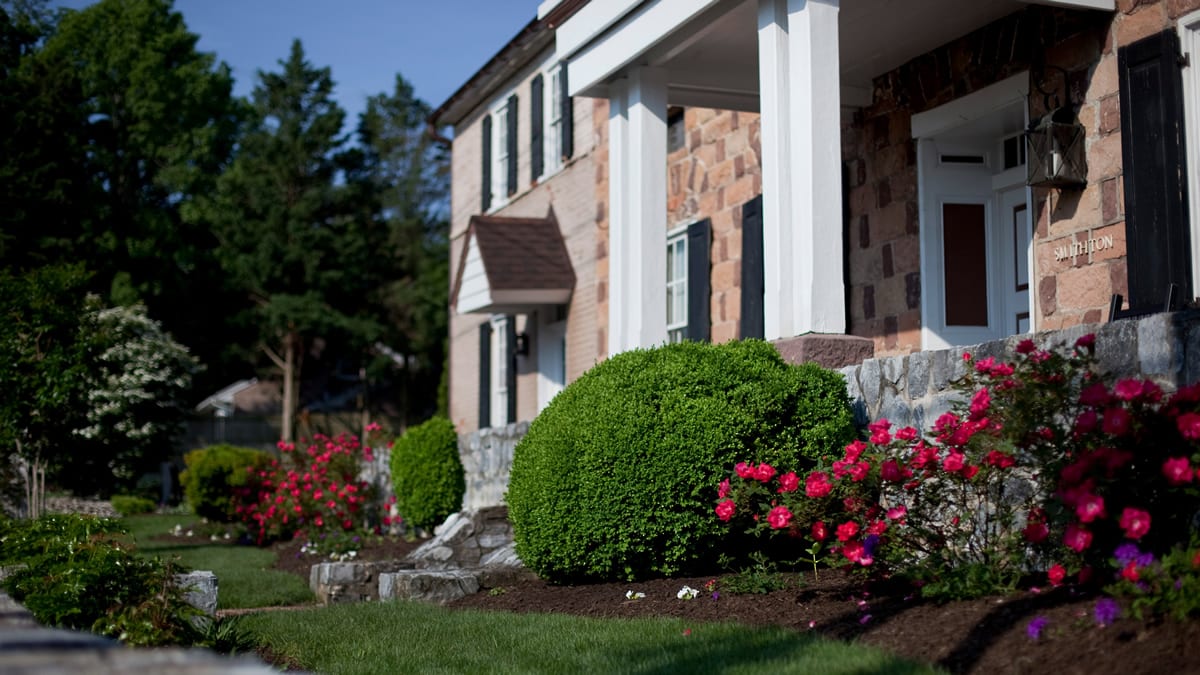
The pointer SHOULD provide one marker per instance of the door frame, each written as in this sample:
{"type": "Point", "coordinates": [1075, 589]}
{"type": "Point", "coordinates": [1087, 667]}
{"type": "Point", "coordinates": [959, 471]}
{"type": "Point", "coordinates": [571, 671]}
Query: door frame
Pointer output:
{"type": "Point", "coordinates": [926, 127]}
{"type": "Point", "coordinates": [1189, 41]}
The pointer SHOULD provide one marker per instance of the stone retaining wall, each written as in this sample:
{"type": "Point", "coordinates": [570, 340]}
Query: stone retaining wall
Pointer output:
{"type": "Point", "coordinates": [487, 457]}
{"type": "Point", "coordinates": [913, 389]}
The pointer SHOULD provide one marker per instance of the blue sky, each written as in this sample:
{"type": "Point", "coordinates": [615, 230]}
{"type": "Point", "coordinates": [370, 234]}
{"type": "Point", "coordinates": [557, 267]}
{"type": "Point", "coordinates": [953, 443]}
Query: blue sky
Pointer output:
{"type": "Point", "coordinates": [436, 44]}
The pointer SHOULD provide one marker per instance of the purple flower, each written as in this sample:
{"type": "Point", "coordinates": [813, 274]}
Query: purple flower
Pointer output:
{"type": "Point", "coordinates": [864, 619]}
{"type": "Point", "coordinates": [869, 545]}
{"type": "Point", "coordinates": [1107, 611]}
{"type": "Point", "coordinates": [716, 595]}
{"type": "Point", "coordinates": [1035, 627]}
{"type": "Point", "coordinates": [1126, 553]}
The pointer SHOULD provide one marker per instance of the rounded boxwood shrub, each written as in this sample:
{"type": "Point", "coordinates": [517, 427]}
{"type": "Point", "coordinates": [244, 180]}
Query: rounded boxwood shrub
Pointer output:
{"type": "Point", "coordinates": [214, 474]}
{"type": "Point", "coordinates": [132, 505]}
{"type": "Point", "coordinates": [427, 475]}
{"type": "Point", "coordinates": [617, 476]}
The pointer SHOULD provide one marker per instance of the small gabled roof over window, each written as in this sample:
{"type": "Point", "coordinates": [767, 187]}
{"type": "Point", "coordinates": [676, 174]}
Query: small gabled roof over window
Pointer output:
{"type": "Point", "coordinates": [512, 265]}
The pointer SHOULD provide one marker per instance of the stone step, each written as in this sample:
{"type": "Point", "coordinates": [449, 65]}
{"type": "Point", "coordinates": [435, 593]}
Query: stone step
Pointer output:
{"type": "Point", "coordinates": [436, 586]}
{"type": "Point", "coordinates": [338, 582]}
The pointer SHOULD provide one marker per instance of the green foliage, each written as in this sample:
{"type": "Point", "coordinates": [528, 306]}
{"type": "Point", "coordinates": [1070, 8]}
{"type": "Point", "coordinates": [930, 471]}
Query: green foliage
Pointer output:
{"type": "Point", "coordinates": [760, 577]}
{"type": "Point", "coordinates": [212, 476]}
{"type": "Point", "coordinates": [427, 475]}
{"type": "Point", "coordinates": [76, 574]}
{"type": "Point", "coordinates": [131, 505]}
{"type": "Point", "coordinates": [614, 479]}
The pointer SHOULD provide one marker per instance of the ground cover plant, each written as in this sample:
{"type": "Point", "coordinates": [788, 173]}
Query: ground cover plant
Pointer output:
{"type": "Point", "coordinates": [215, 474]}
{"type": "Point", "coordinates": [75, 572]}
{"type": "Point", "coordinates": [612, 479]}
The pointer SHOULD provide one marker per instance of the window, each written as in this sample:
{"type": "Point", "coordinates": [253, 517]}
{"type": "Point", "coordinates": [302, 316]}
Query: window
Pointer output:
{"type": "Point", "coordinates": [500, 155]}
{"type": "Point", "coordinates": [554, 122]}
{"type": "Point", "coordinates": [499, 376]}
{"type": "Point", "coordinates": [676, 133]}
{"type": "Point", "coordinates": [677, 287]}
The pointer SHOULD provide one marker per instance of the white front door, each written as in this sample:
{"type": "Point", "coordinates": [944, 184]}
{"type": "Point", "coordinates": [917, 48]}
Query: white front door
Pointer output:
{"type": "Point", "coordinates": [976, 240]}
{"type": "Point", "coordinates": [551, 359]}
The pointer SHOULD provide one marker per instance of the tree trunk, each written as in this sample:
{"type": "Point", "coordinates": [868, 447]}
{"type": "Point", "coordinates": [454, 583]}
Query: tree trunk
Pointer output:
{"type": "Point", "coordinates": [289, 387]}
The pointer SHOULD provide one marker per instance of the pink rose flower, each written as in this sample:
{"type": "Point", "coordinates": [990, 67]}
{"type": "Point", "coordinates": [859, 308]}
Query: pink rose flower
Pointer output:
{"type": "Point", "coordinates": [954, 462]}
{"type": "Point", "coordinates": [890, 471]}
{"type": "Point", "coordinates": [1189, 426]}
{"type": "Point", "coordinates": [1056, 574]}
{"type": "Point", "coordinates": [779, 517]}
{"type": "Point", "coordinates": [789, 482]}
{"type": "Point", "coordinates": [725, 510]}
{"type": "Point", "coordinates": [1177, 470]}
{"type": "Point", "coordinates": [723, 489]}
{"type": "Point", "coordinates": [817, 484]}
{"type": "Point", "coordinates": [1117, 421]}
{"type": "Point", "coordinates": [1025, 346]}
{"type": "Point", "coordinates": [819, 531]}
{"type": "Point", "coordinates": [1087, 342]}
{"type": "Point", "coordinates": [853, 551]}
{"type": "Point", "coordinates": [897, 512]}
{"type": "Point", "coordinates": [744, 470]}
{"type": "Point", "coordinates": [906, 434]}
{"type": "Point", "coordinates": [1135, 522]}
{"type": "Point", "coordinates": [1089, 507]}
{"type": "Point", "coordinates": [854, 451]}
{"type": "Point", "coordinates": [1036, 532]}
{"type": "Point", "coordinates": [764, 472]}
{"type": "Point", "coordinates": [1077, 538]}
{"type": "Point", "coordinates": [847, 530]}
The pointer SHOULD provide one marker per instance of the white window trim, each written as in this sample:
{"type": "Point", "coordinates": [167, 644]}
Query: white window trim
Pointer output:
{"type": "Point", "coordinates": [677, 238]}
{"type": "Point", "coordinates": [1189, 43]}
{"type": "Point", "coordinates": [552, 122]}
{"type": "Point", "coordinates": [499, 187]}
{"type": "Point", "coordinates": [498, 377]}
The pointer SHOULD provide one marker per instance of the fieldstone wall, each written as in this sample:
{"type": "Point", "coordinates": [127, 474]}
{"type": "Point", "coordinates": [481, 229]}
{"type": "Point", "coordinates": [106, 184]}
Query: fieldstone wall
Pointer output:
{"type": "Point", "coordinates": [339, 582]}
{"type": "Point", "coordinates": [913, 389]}
{"type": "Point", "coordinates": [487, 459]}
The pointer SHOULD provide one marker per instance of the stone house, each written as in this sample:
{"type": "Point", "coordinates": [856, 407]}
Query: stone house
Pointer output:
{"type": "Point", "coordinates": [845, 178]}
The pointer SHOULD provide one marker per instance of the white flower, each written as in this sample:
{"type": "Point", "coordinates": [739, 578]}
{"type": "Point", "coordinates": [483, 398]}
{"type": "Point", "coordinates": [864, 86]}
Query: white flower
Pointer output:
{"type": "Point", "coordinates": [687, 593]}
{"type": "Point", "coordinates": [630, 595]}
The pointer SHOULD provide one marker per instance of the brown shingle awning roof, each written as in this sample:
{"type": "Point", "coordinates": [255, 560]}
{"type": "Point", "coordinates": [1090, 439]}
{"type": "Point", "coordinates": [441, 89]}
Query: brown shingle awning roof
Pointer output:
{"type": "Point", "coordinates": [512, 265]}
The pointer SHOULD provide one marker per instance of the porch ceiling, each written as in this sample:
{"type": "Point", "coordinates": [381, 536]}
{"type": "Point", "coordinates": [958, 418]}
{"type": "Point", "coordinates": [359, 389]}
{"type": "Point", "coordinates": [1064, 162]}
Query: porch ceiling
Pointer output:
{"type": "Point", "coordinates": [711, 58]}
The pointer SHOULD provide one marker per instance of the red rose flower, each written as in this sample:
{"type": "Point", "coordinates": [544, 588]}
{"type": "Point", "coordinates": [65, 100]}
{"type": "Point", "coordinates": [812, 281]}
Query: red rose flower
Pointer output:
{"type": "Point", "coordinates": [820, 531]}
{"type": "Point", "coordinates": [789, 482]}
{"type": "Point", "coordinates": [725, 510]}
{"type": "Point", "coordinates": [1056, 574]}
{"type": "Point", "coordinates": [847, 530]}
{"type": "Point", "coordinates": [1177, 470]}
{"type": "Point", "coordinates": [817, 484]}
{"type": "Point", "coordinates": [1135, 522]}
{"type": "Point", "coordinates": [779, 517]}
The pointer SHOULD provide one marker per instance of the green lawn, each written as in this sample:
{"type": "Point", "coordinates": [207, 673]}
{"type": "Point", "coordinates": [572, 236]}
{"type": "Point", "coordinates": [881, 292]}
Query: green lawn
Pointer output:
{"type": "Point", "coordinates": [403, 637]}
{"type": "Point", "coordinates": [243, 575]}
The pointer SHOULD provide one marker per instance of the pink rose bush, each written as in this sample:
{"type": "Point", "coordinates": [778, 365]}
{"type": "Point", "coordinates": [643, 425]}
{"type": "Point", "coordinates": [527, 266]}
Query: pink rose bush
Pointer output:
{"type": "Point", "coordinates": [1041, 466]}
{"type": "Point", "coordinates": [311, 489]}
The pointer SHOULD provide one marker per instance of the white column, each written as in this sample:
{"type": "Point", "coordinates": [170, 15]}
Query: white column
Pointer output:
{"type": "Point", "coordinates": [802, 167]}
{"type": "Point", "coordinates": [638, 209]}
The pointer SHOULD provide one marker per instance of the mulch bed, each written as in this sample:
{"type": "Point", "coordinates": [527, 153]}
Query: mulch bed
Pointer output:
{"type": "Point", "coordinates": [988, 635]}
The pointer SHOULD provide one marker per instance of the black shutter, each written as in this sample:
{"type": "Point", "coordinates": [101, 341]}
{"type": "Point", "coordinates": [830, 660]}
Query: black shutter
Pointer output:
{"type": "Point", "coordinates": [536, 105]}
{"type": "Point", "coordinates": [568, 121]}
{"type": "Point", "coordinates": [485, 375]}
{"type": "Point", "coordinates": [753, 285]}
{"type": "Point", "coordinates": [511, 384]}
{"type": "Point", "coordinates": [512, 144]}
{"type": "Point", "coordinates": [486, 203]}
{"type": "Point", "coordinates": [1152, 152]}
{"type": "Point", "coordinates": [698, 236]}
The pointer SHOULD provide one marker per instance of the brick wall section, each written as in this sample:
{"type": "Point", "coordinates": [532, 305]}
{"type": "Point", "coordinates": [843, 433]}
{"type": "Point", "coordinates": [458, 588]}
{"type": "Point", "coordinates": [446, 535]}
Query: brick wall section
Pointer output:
{"type": "Point", "coordinates": [600, 219]}
{"type": "Point", "coordinates": [712, 175]}
{"type": "Point", "coordinates": [881, 168]}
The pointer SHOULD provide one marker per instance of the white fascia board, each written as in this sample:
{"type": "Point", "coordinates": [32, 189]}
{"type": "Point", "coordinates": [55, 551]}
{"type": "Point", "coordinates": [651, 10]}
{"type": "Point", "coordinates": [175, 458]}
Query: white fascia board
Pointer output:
{"type": "Point", "coordinates": [971, 107]}
{"type": "Point", "coordinates": [595, 55]}
{"type": "Point", "coordinates": [1104, 5]}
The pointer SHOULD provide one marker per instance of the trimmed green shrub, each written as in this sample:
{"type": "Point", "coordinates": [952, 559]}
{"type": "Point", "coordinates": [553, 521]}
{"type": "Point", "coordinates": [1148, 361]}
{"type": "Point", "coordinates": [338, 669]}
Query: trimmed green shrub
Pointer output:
{"type": "Point", "coordinates": [427, 475]}
{"type": "Point", "coordinates": [131, 505]}
{"type": "Point", "coordinates": [212, 476]}
{"type": "Point", "coordinates": [616, 477]}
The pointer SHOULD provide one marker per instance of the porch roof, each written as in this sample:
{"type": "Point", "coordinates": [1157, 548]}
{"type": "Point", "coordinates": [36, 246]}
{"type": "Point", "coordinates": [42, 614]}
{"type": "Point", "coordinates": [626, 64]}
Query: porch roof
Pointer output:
{"type": "Point", "coordinates": [709, 48]}
{"type": "Point", "coordinates": [512, 265]}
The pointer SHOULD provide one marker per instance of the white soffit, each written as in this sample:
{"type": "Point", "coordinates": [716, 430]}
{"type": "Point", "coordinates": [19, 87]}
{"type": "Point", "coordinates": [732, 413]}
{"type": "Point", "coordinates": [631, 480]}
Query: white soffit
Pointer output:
{"type": "Point", "coordinates": [971, 107]}
{"type": "Point", "coordinates": [1103, 5]}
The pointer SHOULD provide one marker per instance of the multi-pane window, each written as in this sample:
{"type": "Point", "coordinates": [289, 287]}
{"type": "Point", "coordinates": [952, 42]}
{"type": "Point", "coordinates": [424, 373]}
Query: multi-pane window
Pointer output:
{"type": "Point", "coordinates": [499, 375]}
{"type": "Point", "coordinates": [677, 282]}
{"type": "Point", "coordinates": [554, 122]}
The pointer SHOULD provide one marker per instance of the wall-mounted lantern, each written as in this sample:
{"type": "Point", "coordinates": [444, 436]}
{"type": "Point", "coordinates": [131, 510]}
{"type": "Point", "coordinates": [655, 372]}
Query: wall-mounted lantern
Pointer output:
{"type": "Point", "coordinates": [1056, 155]}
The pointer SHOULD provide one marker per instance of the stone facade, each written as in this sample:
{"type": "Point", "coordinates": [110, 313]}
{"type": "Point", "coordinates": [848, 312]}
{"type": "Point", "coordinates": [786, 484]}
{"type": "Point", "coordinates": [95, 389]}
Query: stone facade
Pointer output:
{"type": "Point", "coordinates": [881, 164]}
{"type": "Point", "coordinates": [711, 175]}
{"type": "Point", "coordinates": [486, 457]}
{"type": "Point", "coordinates": [913, 389]}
